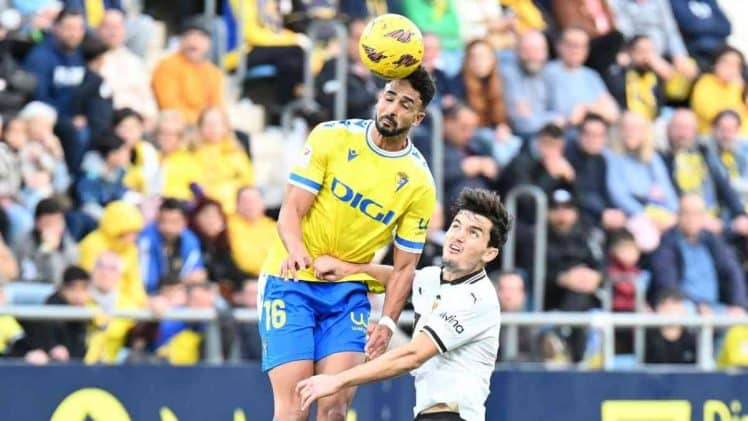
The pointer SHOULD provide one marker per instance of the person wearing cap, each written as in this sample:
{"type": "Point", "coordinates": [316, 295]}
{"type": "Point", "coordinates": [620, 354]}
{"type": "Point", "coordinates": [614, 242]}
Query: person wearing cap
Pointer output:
{"type": "Point", "coordinates": [186, 80]}
{"type": "Point", "coordinates": [573, 266]}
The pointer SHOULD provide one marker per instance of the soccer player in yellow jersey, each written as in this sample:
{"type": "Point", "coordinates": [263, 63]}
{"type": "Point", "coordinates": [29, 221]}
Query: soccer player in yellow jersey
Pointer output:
{"type": "Point", "coordinates": [358, 185]}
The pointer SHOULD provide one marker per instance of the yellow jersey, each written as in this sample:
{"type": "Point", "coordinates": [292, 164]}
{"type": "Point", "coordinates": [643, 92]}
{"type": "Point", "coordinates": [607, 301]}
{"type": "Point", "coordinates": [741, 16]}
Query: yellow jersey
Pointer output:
{"type": "Point", "coordinates": [366, 197]}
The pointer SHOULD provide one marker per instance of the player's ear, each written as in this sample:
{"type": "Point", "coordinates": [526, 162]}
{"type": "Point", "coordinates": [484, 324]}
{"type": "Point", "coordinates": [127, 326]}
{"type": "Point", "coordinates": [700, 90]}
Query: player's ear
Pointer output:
{"type": "Point", "coordinates": [490, 254]}
{"type": "Point", "coordinates": [419, 118]}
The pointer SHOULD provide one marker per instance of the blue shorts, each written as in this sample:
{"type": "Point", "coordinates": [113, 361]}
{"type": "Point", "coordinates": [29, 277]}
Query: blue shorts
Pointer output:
{"type": "Point", "coordinates": [310, 320]}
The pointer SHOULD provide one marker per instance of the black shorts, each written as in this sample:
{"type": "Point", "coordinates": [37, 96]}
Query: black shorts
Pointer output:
{"type": "Point", "coordinates": [439, 416]}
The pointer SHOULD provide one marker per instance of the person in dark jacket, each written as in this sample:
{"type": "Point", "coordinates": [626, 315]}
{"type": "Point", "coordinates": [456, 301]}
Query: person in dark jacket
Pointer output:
{"type": "Point", "coordinates": [699, 263]}
{"type": "Point", "coordinates": [704, 27]}
{"type": "Point", "coordinates": [92, 105]}
{"type": "Point", "coordinates": [18, 84]}
{"type": "Point", "coordinates": [670, 344]}
{"type": "Point", "coordinates": [57, 340]}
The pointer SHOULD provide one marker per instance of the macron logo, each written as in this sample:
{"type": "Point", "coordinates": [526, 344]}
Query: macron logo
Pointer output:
{"type": "Point", "coordinates": [452, 320]}
{"type": "Point", "coordinates": [352, 154]}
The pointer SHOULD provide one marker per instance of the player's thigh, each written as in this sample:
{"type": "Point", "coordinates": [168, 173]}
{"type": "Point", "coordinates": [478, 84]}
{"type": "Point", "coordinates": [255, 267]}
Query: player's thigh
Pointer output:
{"type": "Point", "coordinates": [342, 319]}
{"type": "Point", "coordinates": [335, 407]}
{"type": "Point", "coordinates": [284, 379]}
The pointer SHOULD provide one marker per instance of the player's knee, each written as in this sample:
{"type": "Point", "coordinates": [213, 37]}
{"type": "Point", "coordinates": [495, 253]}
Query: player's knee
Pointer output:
{"type": "Point", "coordinates": [292, 414]}
{"type": "Point", "coordinates": [333, 412]}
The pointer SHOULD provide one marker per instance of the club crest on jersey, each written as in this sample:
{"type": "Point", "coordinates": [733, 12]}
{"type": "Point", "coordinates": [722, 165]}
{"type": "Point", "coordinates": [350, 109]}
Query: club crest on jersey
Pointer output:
{"type": "Point", "coordinates": [402, 180]}
{"type": "Point", "coordinates": [401, 35]}
{"type": "Point", "coordinates": [373, 54]}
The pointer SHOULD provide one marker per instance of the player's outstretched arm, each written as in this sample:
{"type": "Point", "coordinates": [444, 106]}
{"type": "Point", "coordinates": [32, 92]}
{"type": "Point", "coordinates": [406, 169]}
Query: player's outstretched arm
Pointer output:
{"type": "Point", "coordinates": [331, 268]}
{"type": "Point", "coordinates": [295, 206]}
{"type": "Point", "coordinates": [391, 364]}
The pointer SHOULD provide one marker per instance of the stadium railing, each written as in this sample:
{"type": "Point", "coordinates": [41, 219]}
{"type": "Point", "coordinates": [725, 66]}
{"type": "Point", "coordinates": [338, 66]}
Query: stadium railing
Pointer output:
{"type": "Point", "coordinates": [434, 113]}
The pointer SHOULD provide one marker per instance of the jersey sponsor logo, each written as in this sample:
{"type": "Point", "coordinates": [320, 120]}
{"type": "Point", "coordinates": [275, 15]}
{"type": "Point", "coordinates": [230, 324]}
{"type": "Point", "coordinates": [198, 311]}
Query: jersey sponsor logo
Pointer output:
{"type": "Point", "coordinates": [402, 180]}
{"type": "Point", "coordinates": [401, 35]}
{"type": "Point", "coordinates": [352, 154]}
{"type": "Point", "coordinates": [451, 319]}
{"type": "Point", "coordinates": [365, 205]}
{"type": "Point", "coordinates": [359, 323]}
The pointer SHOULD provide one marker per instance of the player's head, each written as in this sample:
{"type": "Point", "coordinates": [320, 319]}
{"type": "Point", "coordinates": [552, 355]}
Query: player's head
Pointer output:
{"type": "Point", "coordinates": [477, 232]}
{"type": "Point", "coordinates": [403, 102]}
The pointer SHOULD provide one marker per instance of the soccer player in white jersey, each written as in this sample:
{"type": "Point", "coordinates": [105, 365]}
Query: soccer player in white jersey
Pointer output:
{"type": "Point", "coordinates": [456, 337]}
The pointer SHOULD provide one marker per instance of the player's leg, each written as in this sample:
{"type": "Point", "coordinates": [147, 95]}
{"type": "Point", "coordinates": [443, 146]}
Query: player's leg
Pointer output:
{"type": "Point", "coordinates": [340, 339]}
{"type": "Point", "coordinates": [286, 325]}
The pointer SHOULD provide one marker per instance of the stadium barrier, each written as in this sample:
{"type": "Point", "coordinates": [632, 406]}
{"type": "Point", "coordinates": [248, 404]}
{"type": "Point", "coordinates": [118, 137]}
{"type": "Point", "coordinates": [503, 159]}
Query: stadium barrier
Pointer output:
{"type": "Point", "coordinates": [434, 113]}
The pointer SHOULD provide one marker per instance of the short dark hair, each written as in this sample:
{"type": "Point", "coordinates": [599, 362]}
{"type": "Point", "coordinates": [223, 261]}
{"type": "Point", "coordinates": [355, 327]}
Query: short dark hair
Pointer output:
{"type": "Point", "coordinates": [487, 204]}
{"type": "Point", "coordinates": [724, 114]}
{"type": "Point", "coordinates": [107, 143]}
{"type": "Point", "coordinates": [93, 47]}
{"type": "Point", "coordinates": [69, 12]}
{"type": "Point", "coordinates": [48, 206]}
{"type": "Point", "coordinates": [550, 130]}
{"type": "Point", "coordinates": [122, 114]}
{"type": "Point", "coordinates": [592, 117]}
{"type": "Point", "coordinates": [195, 23]}
{"type": "Point", "coordinates": [422, 82]}
{"type": "Point", "coordinates": [451, 112]}
{"type": "Point", "coordinates": [172, 204]}
{"type": "Point", "coordinates": [74, 274]}
{"type": "Point", "coordinates": [727, 49]}
{"type": "Point", "coordinates": [668, 294]}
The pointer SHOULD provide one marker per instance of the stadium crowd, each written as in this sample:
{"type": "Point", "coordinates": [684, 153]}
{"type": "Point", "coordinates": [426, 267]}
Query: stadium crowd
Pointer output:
{"type": "Point", "coordinates": [125, 185]}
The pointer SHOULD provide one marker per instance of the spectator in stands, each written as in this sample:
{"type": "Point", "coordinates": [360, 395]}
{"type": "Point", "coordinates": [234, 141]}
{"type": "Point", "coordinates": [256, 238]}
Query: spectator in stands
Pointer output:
{"type": "Point", "coordinates": [732, 151]}
{"type": "Point", "coordinates": [59, 68]}
{"type": "Point", "coordinates": [143, 166]}
{"type": "Point", "coordinates": [224, 165]}
{"type": "Point", "coordinates": [169, 247]}
{"type": "Point", "coordinates": [107, 335]}
{"type": "Point", "coordinates": [45, 252]}
{"type": "Point", "coordinates": [8, 263]}
{"type": "Point", "coordinates": [723, 89]}
{"type": "Point", "coordinates": [118, 230]}
{"type": "Point", "coordinates": [670, 344]}
{"type": "Point", "coordinates": [249, 334]}
{"type": "Point", "coordinates": [528, 16]}
{"type": "Point", "coordinates": [510, 288]}
{"type": "Point", "coordinates": [19, 84]}
{"type": "Point", "coordinates": [595, 18]}
{"type": "Point", "coordinates": [209, 222]}
{"type": "Point", "coordinates": [463, 168]}
{"type": "Point", "coordinates": [575, 90]}
{"type": "Point", "coordinates": [625, 275]}
{"type": "Point", "coordinates": [638, 180]}
{"type": "Point", "coordinates": [573, 265]}
{"type": "Point", "coordinates": [703, 26]}
{"type": "Point", "coordinates": [362, 85]}
{"type": "Point", "coordinates": [654, 18]}
{"type": "Point", "coordinates": [178, 167]}
{"type": "Point", "coordinates": [124, 72]}
{"type": "Point", "coordinates": [527, 96]}
{"type": "Point", "coordinates": [640, 85]}
{"type": "Point", "coordinates": [431, 51]}
{"type": "Point", "coordinates": [251, 233]}
{"type": "Point", "coordinates": [699, 263]}
{"type": "Point", "coordinates": [734, 352]}
{"type": "Point", "coordinates": [694, 168]}
{"type": "Point", "coordinates": [19, 217]}
{"type": "Point", "coordinates": [11, 332]}
{"type": "Point", "coordinates": [440, 19]}
{"type": "Point", "coordinates": [92, 100]}
{"type": "Point", "coordinates": [185, 80]}
{"type": "Point", "coordinates": [57, 341]}
{"type": "Point", "coordinates": [103, 175]}
{"type": "Point", "coordinates": [587, 156]}
{"type": "Point", "coordinates": [485, 19]}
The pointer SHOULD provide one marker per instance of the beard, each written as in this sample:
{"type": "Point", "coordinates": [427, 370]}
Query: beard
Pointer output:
{"type": "Point", "coordinates": [391, 132]}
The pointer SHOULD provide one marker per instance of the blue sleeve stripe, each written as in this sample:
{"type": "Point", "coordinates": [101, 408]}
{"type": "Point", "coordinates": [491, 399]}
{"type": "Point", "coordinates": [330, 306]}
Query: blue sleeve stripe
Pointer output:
{"type": "Point", "coordinates": [405, 244]}
{"type": "Point", "coordinates": [303, 181]}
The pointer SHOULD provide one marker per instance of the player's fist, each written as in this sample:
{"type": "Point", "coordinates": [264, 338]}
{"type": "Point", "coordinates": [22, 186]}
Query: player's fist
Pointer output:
{"type": "Point", "coordinates": [329, 268]}
{"type": "Point", "coordinates": [316, 387]}
{"type": "Point", "coordinates": [298, 259]}
{"type": "Point", "coordinates": [379, 340]}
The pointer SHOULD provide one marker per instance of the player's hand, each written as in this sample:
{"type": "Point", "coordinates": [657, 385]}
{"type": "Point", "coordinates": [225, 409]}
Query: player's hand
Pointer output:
{"type": "Point", "coordinates": [316, 387]}
{"type": "Point", "coordinates": [297, 260]}
{"type": "Point", "coordinates": [378, 341]}
{"type": "Point", "coordinates": [329, 268]}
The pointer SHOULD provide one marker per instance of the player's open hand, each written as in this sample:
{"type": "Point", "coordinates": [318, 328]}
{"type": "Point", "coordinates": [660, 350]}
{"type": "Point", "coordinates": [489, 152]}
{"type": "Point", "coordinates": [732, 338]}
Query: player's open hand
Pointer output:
{"type": "Point", "coordinates": [379, 340]}
{"type": "Point", "coordinates": [329, 268]}
{"type": "Point", "coordinates": [316, 387]}
{"type": "Point", "coordinates": [297, 260]}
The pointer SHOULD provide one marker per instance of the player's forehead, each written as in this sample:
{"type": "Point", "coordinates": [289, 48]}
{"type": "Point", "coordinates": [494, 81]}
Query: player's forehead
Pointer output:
{"type": "Point", "coordinates": [470, 218]}
{"type": "Point", "coordinates": [402, 89]}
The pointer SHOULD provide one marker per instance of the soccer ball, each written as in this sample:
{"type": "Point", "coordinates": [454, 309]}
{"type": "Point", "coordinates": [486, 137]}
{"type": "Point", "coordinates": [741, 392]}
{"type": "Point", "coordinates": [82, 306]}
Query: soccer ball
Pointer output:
{"type": "Point", "coordinates": [391, 46]}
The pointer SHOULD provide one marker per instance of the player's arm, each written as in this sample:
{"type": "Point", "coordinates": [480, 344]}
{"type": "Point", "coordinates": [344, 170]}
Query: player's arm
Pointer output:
{"type": "Point", "coordinates": [391, 364]}
{"type": "Point", "coordinates": [333, 269]}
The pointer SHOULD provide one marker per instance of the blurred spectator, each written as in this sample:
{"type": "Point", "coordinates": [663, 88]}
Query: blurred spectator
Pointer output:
{"type": "Point", "coordinates": [575, 89]}
{"type": "Point", "coordinates": [734, 352]}
{"type": "Point", "coordinates": [587, 156]}
{"type": "Point", "coordinates": [249, 334]}
{"type": "Point", "coordinates": [143, 164]}
{"type": "Point", "coordinates": [703, 26]}
{"type": "Point", "coordinates": [44, 253]}
{"type": "Point", "coordinates": [19, 217]}
{"type": "Point", "coordinates": [462, 168]}
{"type": "Point", "coordinates": [670, 344]}
{"type": "Point", "coordinates": [209, 222]}
{"type": "Point", "coordinates": [431, 51]}
{"type": "Point", "coordinates": [723, 89]}
{"type": "Point", "coordinates": [224, 166]}
{"type": "Point", "coordinates": [124, 71]}
{"type": "Point", "coordinates": [695, 169]}
{"type": "Point", "coordinates": [510, 287]}
{"type": "Point", "coordinates": [178, 167]}
{"type": "Point", "coordinates": [637, 178]}
{"type": "Point", "coordinates": [107, 335]}
{"type": "Point", "coordinates": [440, 19]}
{"type": "Point", "coordinates": [528, 16]}
{"type": "Point", "coordinates": [573, 267]}
{"type": "Point", "coordinates": [699, 263]}
{"type": "Point", "coordinates": [362, 85]}
{"type": "Point", "coordinates": [103, 175]}
{"type": "Point", "coordinates": [732, 151]}
{"type": "Point", "coordinates": [527, 96]}
{"type": "Point", "coordinates": [640, 85]}
{"type": "Point", "coordinates": [8, 263]}
{"type": "Point", "coordinates": [169, 247]}
{"type": "Point", "coordinates": [59, 67]}
{"type": "Point", "coordinates": [595, 18]}
{"type": "Point", "coordinates": [484, 19]}
{"type": "Point", "coordinates": [117, 232]}
{"type": "Point", "coordinates": [625, 277]}
{"type": "Point", "coordinates": [57, 341]}
{"type": "Point", "coordinates": [11, 332]}
{"type": "Point", "coordinates": [91, 106]}
{"type": "Point", "coordinates": [186, 80]}
{"type": "Point", "coordinates": [251, 233]}
{"type": "Point", "coordinates": [266, 41]}
{"type": "Point", "coordinates": [18, 84]}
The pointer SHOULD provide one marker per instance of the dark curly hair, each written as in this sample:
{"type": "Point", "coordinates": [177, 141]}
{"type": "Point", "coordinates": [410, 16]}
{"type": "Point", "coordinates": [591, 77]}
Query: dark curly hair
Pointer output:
{"type": "Point", "coordinates": [488, 204]}
{"type": "Point", "coordinates": [422, 82]}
